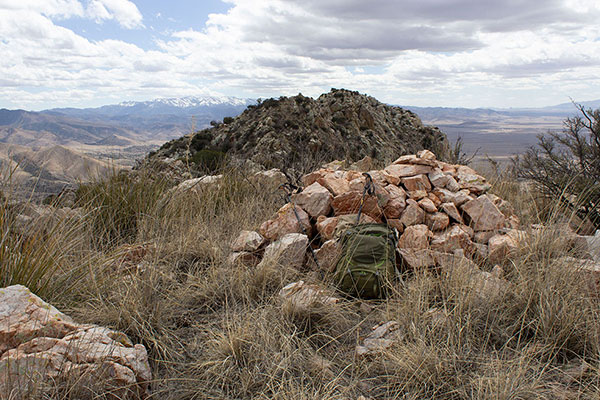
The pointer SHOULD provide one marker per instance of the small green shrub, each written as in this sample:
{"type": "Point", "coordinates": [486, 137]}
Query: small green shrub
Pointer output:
{"type": "Point", "coordinates": [227, 120]}
{"type": "Point", "coordinates": [208, 161]}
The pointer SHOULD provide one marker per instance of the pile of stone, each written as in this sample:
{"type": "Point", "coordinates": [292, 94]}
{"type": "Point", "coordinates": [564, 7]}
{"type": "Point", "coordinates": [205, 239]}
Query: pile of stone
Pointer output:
{"type": "Point", "coordinates": [42, 349]}
{"type": "Point", "coordinates": [438, 208]}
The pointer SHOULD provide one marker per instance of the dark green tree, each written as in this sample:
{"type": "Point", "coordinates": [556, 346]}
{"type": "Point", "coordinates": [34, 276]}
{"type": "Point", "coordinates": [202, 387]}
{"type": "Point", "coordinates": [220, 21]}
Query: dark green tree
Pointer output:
{"type": "Point", "coordinates": [566, 165]}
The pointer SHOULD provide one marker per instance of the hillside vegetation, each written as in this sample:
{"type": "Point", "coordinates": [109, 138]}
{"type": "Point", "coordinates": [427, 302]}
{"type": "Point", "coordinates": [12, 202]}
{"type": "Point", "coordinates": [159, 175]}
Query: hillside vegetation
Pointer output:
{"type": "Point", "coordinates": [302, 133]}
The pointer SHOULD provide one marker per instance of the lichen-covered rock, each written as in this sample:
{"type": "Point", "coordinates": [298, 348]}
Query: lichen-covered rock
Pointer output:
{"type": "Point", "coordinates": [41, 347]}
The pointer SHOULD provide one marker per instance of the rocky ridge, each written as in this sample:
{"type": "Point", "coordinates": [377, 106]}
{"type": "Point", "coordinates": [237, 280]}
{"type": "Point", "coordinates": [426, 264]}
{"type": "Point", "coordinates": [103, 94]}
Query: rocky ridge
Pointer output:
{"type": "Point", "coordinates": [300, 132]}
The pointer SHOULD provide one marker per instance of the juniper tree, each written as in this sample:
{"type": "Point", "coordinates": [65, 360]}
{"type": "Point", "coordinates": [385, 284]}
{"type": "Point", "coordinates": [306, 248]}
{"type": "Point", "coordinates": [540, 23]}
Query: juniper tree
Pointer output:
{"type": "Point", "coordinates": [566, 165]}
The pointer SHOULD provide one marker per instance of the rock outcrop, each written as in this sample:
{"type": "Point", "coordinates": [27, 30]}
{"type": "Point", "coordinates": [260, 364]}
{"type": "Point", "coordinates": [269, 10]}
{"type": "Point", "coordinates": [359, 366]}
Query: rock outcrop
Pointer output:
{"type": "Point", "coordinates": [40, 348]}
{"type": "Point", "coordinates": [296, 132]}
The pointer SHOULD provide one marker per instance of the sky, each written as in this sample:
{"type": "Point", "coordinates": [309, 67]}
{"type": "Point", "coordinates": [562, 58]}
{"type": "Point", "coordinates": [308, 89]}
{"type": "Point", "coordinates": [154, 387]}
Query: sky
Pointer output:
{"type": "Point", "coordinates": [451, 53]}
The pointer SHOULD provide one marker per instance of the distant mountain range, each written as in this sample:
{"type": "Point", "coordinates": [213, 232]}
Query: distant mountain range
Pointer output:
{"type": "Point", "coordinates": [121, 124]}
{"type": "Point", "coordinates": [122, 132]}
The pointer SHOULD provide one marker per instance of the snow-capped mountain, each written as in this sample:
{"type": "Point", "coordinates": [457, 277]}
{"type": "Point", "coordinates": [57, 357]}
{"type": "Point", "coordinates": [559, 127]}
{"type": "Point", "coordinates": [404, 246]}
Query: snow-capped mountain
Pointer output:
{"type": "Point", "coordinates": [190, 101]}
{"type": "Point", "coordinates": [163, 118]}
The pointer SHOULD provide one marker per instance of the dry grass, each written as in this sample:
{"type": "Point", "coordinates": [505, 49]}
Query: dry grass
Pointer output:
{"type": "Point", "coordinates": [217, 331]}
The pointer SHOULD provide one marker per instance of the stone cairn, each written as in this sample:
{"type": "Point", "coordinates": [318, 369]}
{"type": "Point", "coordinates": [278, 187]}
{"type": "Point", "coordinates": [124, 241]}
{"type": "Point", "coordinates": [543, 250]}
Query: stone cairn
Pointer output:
{"type": "Point", "coordinates": [438, 209]}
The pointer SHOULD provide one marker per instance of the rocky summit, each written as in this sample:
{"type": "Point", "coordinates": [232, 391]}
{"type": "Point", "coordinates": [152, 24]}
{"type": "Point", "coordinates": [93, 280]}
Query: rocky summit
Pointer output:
{"type": "Point", "coordinates": [301, 132]}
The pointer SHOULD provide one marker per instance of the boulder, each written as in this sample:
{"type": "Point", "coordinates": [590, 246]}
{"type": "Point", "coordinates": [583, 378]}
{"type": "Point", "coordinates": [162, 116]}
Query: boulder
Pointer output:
{"type": "Point", "coordinates": [427, 205]}
{"type": "Point", "coordinates": [502, 247]}
{"type": "Point", "coordinates": [41, 348]}
{"type": "Point", "coordinates": [416, 160]}
{"type": "Point", "coordinates": [472, 181]}
{"type": "Point", "coordinates": [415, 237]}
{"type": "Point", "coordinates": [314, 199]}
{"type": "Point", "coordinates": [483, 214]}
{"type": "Point", "coordinates": [289, 250]}
{"type": "Point", "coordinates": [413, 214]}
{"type": "Point", "coordinates": [456, 237]}
{"type": "Point", "coordinates": [314, 176]}
{"type": "Point", "coordinates": [452, 211]}
{"type": "Point", "coordinates": [413, 259]}
{"type": "Point", "coordinates": [326, 226]}
{"type": "Point", "coordinates": [194, 185]}
{"type": "Point", "coordinates": [272, 177]}
{"type": "Point", "coordinates": [349, 203]}
{"type": "Point", "coordinates": [243, 258]}
{"type": "Point", "coordinates": [417, 182]}
{"type": "Point", "coordinates": [426, 155]}
{"type": "Point", "coordinates": [328, 254]}
{"type": "Point", "coordinates": [458, 198]}
{"type": "Point", "coordinates": [302, 298]}
{"type": "Point", "coordinates": [285, 222]}
{"type": "Point", "coordinates": [417, 194]}
{"type": "Point", "coordinates": [248, 241]}
{"type": "Point", "coordinates": [437, 221]}
{"type": "Point", "coordinates": [335, 182]}
{"type": "Point", "coordinates": [406, 170]}
{"type": "Point", "coordinates": [363, 165]}
{"type": "Point", "coordinates": [396, 202]}
{"type": "Point", "coordinates": [380, 339]}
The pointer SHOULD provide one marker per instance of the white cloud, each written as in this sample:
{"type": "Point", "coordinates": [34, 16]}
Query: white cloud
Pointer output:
{"type": "Point", "coordinates": [124, 12]}
{"type": "Point", "coordinates": [432, 52]}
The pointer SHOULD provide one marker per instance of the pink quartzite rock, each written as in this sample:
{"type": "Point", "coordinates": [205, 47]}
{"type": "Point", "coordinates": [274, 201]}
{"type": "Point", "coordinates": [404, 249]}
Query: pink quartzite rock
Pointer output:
{"type": "Point", "coordinates": [405, 170]}
{"type": "Point", "coordinates": [289, 250]}
{"type": "Point", "coordinates": [314, 199]}
{"type": "Point", "coordinates": [302, 298]}
{"type": "Point", "coordinates": [396, 203]}
{"type": "Point", "coordinates": [417, 182]}
{"type": "Point", "coordinates": [328, 255]}
{"type": "Point", "coordinates": [437, 221]}
{"type": "Point", "coordinates": [349, 203]}
{"type": "Point", "coordinates": [456, 237]}
{"type": "Point", "coordinates": [335, 182]}
{"type": "Point", "coordinates": [458, 198]}
{"type": "Point", "coordinates": [452, 211]}
{"type": "Point", "coordinates": [43, 348]}
{"type": "Point", "coordinates": [428, 205]}
{"type": "Point", "coordinates": [415, 237]}
{"type": "Point", "coordinates": [285, 222]}
{"type": "Point", "coordinates": [413, 214]}
{"type": "Point", "coordinates": [248, 241]}
{"type": "Point", "coordinates": [484, 214]}
{"type": "Point", "coordinates": [326, 226]}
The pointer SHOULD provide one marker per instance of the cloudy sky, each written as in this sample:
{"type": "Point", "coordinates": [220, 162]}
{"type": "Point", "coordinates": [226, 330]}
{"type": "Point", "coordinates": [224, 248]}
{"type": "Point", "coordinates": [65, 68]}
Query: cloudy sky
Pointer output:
{"type": "Point", "coordinates": [455, 53]}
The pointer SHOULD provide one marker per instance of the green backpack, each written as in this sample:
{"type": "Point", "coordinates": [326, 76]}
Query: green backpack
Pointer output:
{"type": "Point", "coordinates": [367, 263]}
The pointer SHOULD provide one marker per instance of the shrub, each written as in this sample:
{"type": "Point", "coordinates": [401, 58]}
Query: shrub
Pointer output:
{"type": "Point", "coordinates": [208, 161]}
{"type": "Point", "coordinates": [227, 120]}
{"type": "Point", "coordinates": [566, 166]}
